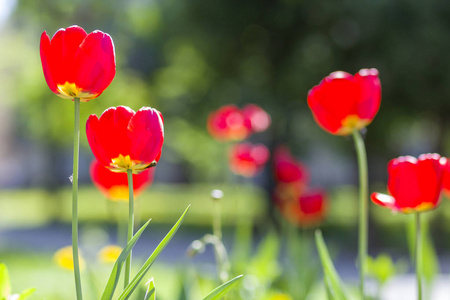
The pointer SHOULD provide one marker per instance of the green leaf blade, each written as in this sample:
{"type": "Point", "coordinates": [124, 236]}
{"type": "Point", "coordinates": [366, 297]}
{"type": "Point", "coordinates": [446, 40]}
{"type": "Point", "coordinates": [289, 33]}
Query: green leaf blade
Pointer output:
{"type": "Point", "coordinates": [332, 279]}
{"type": "Point", "coordinates": [5, 285]}
{"type": "Point", "coordinates": [144, 269]}
{"type": "Point", "coordinates": [151, 292]}
{"type": "Point", "coordinates": [221, 290]}
{"type": "Point", "coordinates": [110, 288]}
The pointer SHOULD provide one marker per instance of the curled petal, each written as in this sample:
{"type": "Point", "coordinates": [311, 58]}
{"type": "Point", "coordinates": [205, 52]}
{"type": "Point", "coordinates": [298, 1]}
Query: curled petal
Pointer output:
{"type": "Point", "coordinates": [383, 200]}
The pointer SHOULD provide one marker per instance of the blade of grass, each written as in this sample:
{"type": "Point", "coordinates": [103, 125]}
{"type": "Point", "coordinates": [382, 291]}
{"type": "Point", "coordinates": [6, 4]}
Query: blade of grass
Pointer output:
{"type": "Point", "coordinates": [5, 286]}
{"type": "Point", "coordinates": [27, 293]}
{"type": "Point", "coordinates": [221, 290]}
{"type": "Point", "coordinates": [335, 284]}
{"type": "Point", "coordinates": [115, 273]}
{"type": "Point", "coordinates": [151, 293]}
{"type": "Point", "coordinates": [144, 269]}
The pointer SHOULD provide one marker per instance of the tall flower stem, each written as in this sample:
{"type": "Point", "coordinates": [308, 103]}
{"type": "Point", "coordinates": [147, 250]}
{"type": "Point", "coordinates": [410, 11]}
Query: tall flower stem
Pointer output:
{"type": "Point", "coordinates": [363, 207]}
{"type": "Point", "coordinates": [76, 151]}
{"type": "Point", "coordinates": [217, 221]}
{"type": "Point", "coordinates": [130, 224]}
{"type": "Point", "coordinates": [419, 255]}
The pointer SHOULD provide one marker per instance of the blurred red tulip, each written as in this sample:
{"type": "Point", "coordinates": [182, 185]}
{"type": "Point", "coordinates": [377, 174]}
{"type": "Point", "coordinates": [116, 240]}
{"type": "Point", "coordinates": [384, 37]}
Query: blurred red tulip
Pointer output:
{"type": "Point", "coordinates": [77, 64]}
{"type": "Point", "coordinates": [342, 103]}
{"type": "Point", "coordinates": [122, 139]}
{"type": "Point", "coordinates": [304, 210]}
{"type": "Point", "coordinates": [259, 118]}
{"type": "Point", "coordinates": [247, 159]}
{"type": "Point", "coordinates": [414, 184]}
{"type": "Point", "coordinates": [115, 185]}
{"type": "Point", "coordinates": [228, 124]}
{"type": "Point", "coordinates": [446, 181]}
{"type": "Point", "coordinates": [287, 169]}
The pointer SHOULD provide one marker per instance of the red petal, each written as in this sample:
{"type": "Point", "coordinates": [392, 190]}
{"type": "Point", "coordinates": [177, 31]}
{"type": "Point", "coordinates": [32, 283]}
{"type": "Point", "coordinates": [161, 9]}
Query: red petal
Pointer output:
{"type": "Point", "coordinates": [110, 133]}
{"type": "Point", "coordinates": [64, 45]}
{"type": "Point", "coordinates": [369, 102]}
{"type": "Point", "coordinates": [92, 136]}
{"type": "Point", "coordinates": [431, 170]}
{"type": "Point", "coordinates": [146, 133]}
{"type": "Point", "coordinates": [104, 179]}
{"type": "Point", "coordinates": [384, 200]}
{"type": "Point", "coordinates": [333, 100]}
{"type": "Point", "coordinates": [96, 63]}
{"type": "Point", "coordinates": [46, 60]}
{"type": "Point", "coordinates": [403, 182]}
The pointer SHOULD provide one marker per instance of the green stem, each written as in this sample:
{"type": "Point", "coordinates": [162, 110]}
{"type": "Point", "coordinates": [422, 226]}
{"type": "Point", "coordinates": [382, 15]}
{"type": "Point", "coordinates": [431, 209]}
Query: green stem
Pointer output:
{"type": "Point", "coordinates": [130, 225]}
{"type": "Point", "coordinates": [217, 222]}
{"type": "Point", "coordinates": [363, 208]}
{"type": "Point", "coordinates": [419, 256]}
{"type": "Point", "coordinates": [76, 150]}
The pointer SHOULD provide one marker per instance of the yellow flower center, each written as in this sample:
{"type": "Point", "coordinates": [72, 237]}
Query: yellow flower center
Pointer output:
{"type": "Point", "coordinates": [70, 91]}
{"type": "Point", "coordinates": [352, 122]}
{"type": "Point", "coordinates": [124, 163]}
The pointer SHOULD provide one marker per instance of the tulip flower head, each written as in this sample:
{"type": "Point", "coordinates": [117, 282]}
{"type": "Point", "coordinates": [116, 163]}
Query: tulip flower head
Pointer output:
{"type": "Point", "coordinates": [228, 124]}
{"type": "Point", "coordinates": [414, 184]}
{"type": "Point", "coordinates": [122, 139]}
{"type": "Point", "coordinates": [115, 185]}
{"type": "Point", "coordinates": [259, 118]}
{"type": "Point", "coordinates": [303, 210]}
{"type": "Point", "coordinates": [77, 64]}
{"type": "Point", "coordinates": [247, 159]}
{"type": "Point", "coordinates": [342, 103]}
{"type": "Point", "coordinates": [287, 169]}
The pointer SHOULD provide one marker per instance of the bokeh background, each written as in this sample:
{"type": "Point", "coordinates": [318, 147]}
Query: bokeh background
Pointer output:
{"type": "Point", "coordinates": [188, 58]}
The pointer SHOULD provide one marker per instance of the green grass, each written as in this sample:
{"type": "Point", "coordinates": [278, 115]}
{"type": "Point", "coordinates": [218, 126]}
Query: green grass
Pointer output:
{"type": "Point", "coordinates": [162, 203]}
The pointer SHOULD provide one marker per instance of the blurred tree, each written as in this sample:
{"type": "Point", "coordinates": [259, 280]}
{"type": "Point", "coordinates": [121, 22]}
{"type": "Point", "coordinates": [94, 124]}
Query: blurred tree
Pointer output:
{"type": "Point", "coordinates": [188, 58]}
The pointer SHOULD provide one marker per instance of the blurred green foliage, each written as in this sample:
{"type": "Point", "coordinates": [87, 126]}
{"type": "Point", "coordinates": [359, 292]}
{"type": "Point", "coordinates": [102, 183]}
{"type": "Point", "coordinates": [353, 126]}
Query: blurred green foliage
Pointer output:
{"type": "Point", "coordinates": [189, 58]}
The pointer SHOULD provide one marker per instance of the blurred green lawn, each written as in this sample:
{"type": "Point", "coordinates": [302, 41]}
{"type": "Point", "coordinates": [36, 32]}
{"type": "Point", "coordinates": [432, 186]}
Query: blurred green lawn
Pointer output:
{"type": "Point", "coordinates": [162, 203]}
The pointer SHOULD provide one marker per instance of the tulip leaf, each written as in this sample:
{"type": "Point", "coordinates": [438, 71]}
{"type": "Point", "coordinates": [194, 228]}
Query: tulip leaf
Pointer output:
{"type": "Point", "coordinates": [115, 273]}
{"type": "Point", "coordinates": [5, 286]}
{"type": "Point", "coordinates": [151, 293]}
{"type": "Point", "coordinates": [27, 293]}
{"type": "Point", "coordinates": [221, 290]}
{"type": "Point", "coordinates": [331, 276]}
{"type": "Point", "coordinates": [129, 289]}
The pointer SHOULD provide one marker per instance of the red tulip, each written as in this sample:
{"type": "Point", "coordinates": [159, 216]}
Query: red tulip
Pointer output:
{"type": "Point", "coordinates": [446, 181]}
{"type": "Point", "coordinates": [115, 185]}
{"type": "Point", "coordinates": [307, 209]}
{"type": "Point", "coordinates": [342, 103]}
{"type": "Point", "coordinates": [259, 118]}
{"type": "Point", "coordinates": [413, 184]}
{"type": "Point", "coordinates": [77, 64]}
{"type": "Point", "coordinates": [287, 169]}
{"type": "Point", "coordinates": [228, 124]}
{"type": "Point", "coordinates": [247, 159]}
{"type": "Point", "coordinates": [122, 139]}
